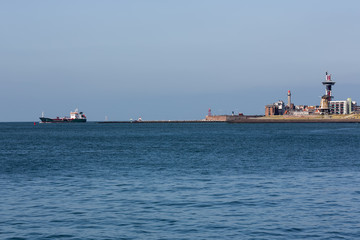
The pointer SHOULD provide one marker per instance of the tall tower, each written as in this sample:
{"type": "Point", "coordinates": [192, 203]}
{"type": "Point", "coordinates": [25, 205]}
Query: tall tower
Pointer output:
{"type": "Point", "coordinates": [328, 84]}
{"type": "Point", "coordinates": [289, 99]}
{"type": "Point", "coordinates": [324, 105]}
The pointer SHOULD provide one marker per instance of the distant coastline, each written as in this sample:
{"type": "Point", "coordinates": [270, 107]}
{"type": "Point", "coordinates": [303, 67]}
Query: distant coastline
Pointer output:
{"type": "Point", "coordinates": [351, 118]}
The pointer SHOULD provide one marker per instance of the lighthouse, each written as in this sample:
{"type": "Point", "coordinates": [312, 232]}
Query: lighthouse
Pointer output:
{"type": "Point", "coordinates": [289, 99]}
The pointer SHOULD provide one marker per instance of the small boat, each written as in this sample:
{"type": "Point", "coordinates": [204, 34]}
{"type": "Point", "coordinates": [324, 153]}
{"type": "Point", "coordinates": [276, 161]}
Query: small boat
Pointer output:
{"type": "Point", "coordinates": [139, 120]}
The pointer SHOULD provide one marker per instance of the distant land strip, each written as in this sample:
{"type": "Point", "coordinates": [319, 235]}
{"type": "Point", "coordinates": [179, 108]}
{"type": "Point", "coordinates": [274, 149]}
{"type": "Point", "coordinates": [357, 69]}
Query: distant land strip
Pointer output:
{"type": "Point", "coordinates": [159, 121]}
{"type": "Point", "coordinates": [247, 120]}
{"type": "Point", "coordinates": [299, 120]}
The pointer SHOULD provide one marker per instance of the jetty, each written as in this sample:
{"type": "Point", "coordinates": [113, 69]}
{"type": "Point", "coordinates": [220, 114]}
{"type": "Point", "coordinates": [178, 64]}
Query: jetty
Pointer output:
{"type": "Point", "coordinates": [350, 118]}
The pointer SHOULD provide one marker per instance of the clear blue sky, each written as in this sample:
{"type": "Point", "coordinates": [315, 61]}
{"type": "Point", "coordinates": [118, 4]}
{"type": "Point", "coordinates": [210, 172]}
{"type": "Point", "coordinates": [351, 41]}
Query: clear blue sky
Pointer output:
{"type": "Point", "coordinates": [172, 59]}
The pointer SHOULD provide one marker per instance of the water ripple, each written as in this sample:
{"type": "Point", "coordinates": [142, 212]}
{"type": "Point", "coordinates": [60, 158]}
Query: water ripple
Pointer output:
{"type": "Point", "coordinates": [182, 181]}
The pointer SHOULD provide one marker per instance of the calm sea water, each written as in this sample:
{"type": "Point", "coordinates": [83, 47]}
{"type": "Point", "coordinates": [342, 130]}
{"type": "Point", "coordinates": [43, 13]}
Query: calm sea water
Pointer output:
{"type": "Point", "coordinates": [179, 181]}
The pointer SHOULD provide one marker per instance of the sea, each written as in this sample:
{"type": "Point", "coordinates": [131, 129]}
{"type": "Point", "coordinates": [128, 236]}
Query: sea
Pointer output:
{"type": "Point", "coordinates": [180, 181]}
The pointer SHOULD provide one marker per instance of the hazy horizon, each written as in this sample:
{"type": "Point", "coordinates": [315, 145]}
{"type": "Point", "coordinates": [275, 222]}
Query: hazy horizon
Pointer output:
{"type": "Point", "coordinates": [163, 60]}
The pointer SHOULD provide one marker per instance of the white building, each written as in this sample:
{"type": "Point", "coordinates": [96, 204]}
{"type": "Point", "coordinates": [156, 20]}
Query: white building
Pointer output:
{"type": "Point", "coordinates": [342, 107]}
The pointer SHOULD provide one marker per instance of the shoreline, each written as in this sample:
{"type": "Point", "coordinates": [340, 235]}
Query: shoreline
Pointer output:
{"type": "Point", "coordinates": [247, 120]}
{"type": "Point", "coordinates": [300, 120]}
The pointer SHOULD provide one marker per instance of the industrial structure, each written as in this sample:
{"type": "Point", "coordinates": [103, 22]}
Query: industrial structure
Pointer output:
{"type": "Point", "coordinates": [328, 84]}
{"type": "Point", "coordinates": [327, 106]}
{"type": "Point", "coordinates": [325, 99]}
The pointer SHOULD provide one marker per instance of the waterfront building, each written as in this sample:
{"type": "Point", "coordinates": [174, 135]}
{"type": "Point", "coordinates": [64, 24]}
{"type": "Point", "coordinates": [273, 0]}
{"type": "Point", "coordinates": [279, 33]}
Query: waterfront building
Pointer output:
{"type": "Point", "coordinates": [327, 104]}
{"type": "Point", "coordinates": [342, 107]}
{"type": "Point", "coordinates": [277, 108]}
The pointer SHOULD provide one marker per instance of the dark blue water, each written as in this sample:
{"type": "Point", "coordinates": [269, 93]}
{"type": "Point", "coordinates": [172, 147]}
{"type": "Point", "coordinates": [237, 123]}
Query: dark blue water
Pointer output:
{"type": "Point", "coordinates": [179, 181]}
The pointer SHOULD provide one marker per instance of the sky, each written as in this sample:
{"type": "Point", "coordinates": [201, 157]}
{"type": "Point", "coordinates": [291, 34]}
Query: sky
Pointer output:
{"type": "Point", "coordinates": [173, 60]}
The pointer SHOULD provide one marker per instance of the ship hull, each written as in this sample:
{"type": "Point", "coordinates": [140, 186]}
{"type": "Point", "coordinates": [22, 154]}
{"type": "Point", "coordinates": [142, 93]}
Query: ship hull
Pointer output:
{"type": "Point", "coordinates": [61, 120]}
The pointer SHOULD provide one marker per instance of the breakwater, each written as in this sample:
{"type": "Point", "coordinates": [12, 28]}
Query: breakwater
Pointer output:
{"type": "Point", "coordinates": [250, 120]}
{"type": "Point", "coordinates": [350, 118]}
{"type": "Point", "coordinates": [155, 121]}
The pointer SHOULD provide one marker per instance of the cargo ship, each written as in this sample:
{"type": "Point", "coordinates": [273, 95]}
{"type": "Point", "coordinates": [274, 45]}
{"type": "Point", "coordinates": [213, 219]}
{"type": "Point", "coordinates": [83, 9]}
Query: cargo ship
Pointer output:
{"type": "Point", "coordinates": [75, 117]}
